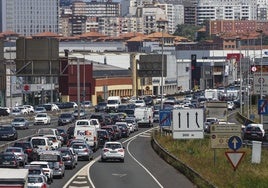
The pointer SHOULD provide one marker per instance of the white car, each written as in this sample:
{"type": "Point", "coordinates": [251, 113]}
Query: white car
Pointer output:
{"type": "Point", "coordinates": [23, 109]}
{"type": "Point", "coordinates": [36, 181]}
{"type": "Point", "coordinates": [140, 103]}
{"type": "Point", "coordinates": [30, 108]}
{"type": "Point", "coordinates": [113, 151]}
{"type": "Point", "coordinates": [47, 170]}
{"type": "Point", "coordinates": [42, 119]}
{"type": "Point", "coordinates": [56, 143]}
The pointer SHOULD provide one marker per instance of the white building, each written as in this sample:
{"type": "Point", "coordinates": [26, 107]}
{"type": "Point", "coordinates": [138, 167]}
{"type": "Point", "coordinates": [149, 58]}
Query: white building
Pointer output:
{"type": "Point", "coordinates": [231, 10]}
{"type": "Point", "coordinates": [29, 17]}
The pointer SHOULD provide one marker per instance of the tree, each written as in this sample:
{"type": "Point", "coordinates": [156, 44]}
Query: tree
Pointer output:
{"type": "Point", "coordinates": [188, 31]}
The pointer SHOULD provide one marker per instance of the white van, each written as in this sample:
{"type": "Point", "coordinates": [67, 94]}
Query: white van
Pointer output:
{"type": "Point", "coordinates": [86, 129]}
{"type": "Point", "coordinates": [112, 103]}
{"type": "Point", "coordinates": [144, 116]}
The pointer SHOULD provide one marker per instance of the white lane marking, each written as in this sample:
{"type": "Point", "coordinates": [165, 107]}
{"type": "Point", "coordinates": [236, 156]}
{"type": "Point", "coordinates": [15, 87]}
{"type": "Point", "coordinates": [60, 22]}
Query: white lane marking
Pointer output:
{"type": "Point", "coordinates": [79, 182]}
{"type": "Point", "coordinates": [120, 175]}
{"type": "Point", "coordinates": [79, 187]}
{"type": "Point", "coordinates": [142, 165]}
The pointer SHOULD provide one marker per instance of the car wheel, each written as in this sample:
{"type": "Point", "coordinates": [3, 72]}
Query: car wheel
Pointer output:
{"type": "Point", "coordinates": [103, 160]}
{"type": "Point", "coordinates": [122, 160]}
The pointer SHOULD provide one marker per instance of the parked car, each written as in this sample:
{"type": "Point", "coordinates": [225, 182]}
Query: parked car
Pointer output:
{"type": "Point", "coordinates": [103, 136]}
{"type": "Point", "coordinates": [69, 157]}
{"type": "Point", "coordinates": [36, 181]}
{"type": "Point", "coordinates": [42, 119]}
{"type": "Point", "coordinates": [19, 152]}
{"type": "Point", "coordinates": [9, 160]}
{"type": "Point", "coordinates": [101, 107]}
{"type": "Point", "coordinates": [8, 132]}
{"type": "Point", "coordinates": [254, 131]}
{"type": "Point", "coordinates": [66, 118]}
{"type": "Point", "coordinates": [83, 151]}
{"type": "Point", "coordinates": [113, 151]}
{"type": "Point", "coordinates": [20, 123]}
{"type": "Point", "coordinates": [28, 149]}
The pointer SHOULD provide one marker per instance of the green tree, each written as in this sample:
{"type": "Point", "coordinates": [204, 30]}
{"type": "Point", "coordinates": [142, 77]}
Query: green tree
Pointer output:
{"type": "Point", "coordinates": [187, 31]}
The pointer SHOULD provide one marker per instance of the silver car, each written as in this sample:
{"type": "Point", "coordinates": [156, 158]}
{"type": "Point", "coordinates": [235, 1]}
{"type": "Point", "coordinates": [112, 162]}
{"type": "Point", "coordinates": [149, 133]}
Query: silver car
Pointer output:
{"type": "Point", "coordinates": [19, 152]}
{"type": "Point", "coordinates": [20, 123]}
{"type": "Point", "coordinates": [113, 151]}
{"type": "Point", "coordinates": [83, 151]}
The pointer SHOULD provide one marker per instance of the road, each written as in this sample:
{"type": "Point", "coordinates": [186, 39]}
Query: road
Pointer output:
{"type": "Point", "coordinates": [142, 168]}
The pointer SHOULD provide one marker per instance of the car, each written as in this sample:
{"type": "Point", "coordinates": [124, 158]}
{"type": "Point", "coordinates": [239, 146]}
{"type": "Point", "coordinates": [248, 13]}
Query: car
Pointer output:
{"type": "Point", "coordinates": [70, 132]}
{"type": "Point", "coordinates": [19, 152]}
{"type": "Point", "coordinates": [122, 107]}
{"type": "Point", "coordinates": [24, 110]}
{"type": "Point", "coordinates": [110, 130]}
{"type": "Point", "coordinates": [41, 143]}
{"type": "Point", "coordinates": [3, 112]}
{"type": "Point", "coordinates": [8, 132]}
{"type": "Point", "coordinates": [130, 112]}
{"type": "Point", "coordinates": [133, 121]}
{"type": "Point", "coordinates": [103, 136]}
{"type": "Point", "coordinates": [40, 109]}
{"type": "Point", "coordinates": [149, 101]}
{"type": "Point", "coordinates": [86, 104]}
{"type": "Point", "coordinates": [36, 181]}
{"type": "Point", "coordinates": [230, 105]}
{"type": "Point", "coordinates": [55, 161]}
{"type": "Point", "coordinates": [101, 107]}
{"type": "Point", "coordinates": [83, 151]}
{"type": "Point", "coordinates": [63, 133]}
{"type": "Point", "coordinates": [124, 128]}
{"type": "Point", "coordinates": [36, 170]}
{"type": "Point", "coordinates": [16, 112]}
{"type": "Point", "coordinates": [30, 108]}
{"type": "Point", "coordinates": [113, 151]}
{"type": "Point", "coordinates": [156, 116]}
{"type": "Point", "coordinates": [100, 116]}
{"type": "Point", "coordinates": [9, 160]}
{"type": "Point", "coordinates": [254, 131]}
{"type": "Point", "coordinates": [66, 118]}
{"type": "Point", "coordinates": [56, 143]}
{"type": "Point", "coordinates": [117, 131]}
{"type": "Point", "coordinates": [20, 123]}
{"type": "Point", "coordinates": [140, 103]}
{"type": "Point", "coordinates": [42, 119]}
{"type": "Point", "coordinates": [48, 171]}
{"type": "Point", "coordinates": [83, 114]}
{"type": "Point", "coordinates": [73, 141]}
{"type": "Point", "coordinates": [69, 157]}
{"type": "Point", "coordinates": [27, 148]}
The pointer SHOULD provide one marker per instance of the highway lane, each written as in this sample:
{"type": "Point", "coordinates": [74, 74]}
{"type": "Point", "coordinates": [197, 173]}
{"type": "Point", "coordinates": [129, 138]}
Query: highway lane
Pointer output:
{"type": "Point", "coordinates": [142, 168]}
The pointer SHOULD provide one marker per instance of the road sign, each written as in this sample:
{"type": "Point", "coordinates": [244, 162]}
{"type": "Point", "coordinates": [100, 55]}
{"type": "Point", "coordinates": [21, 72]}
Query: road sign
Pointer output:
{"type": "Point", "coordinates": [165, 118]}
{"type": "Point", "coordinates": [188, 123]}
{"type": "Point", "coordinates": [235, 143]}
{"type": "Point", "coordinates": [261, 79]}
{"type": "Point", "coordinates": [220, 134]}
{"type": "Point", "coordinates": [234, 157]}
{"type": "Point", "coordinates": [262, 106]}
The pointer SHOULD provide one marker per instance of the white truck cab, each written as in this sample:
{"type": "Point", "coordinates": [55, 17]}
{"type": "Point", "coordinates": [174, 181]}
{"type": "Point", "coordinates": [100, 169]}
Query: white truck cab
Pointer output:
{"type": "Point", "coordinates": [112, 103]}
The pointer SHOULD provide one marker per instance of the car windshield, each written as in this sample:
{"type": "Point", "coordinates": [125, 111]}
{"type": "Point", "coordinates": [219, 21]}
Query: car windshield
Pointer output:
{"type": "Point", "coordinates": [5, 128]}
{"type": "Point", "coordinates": [41, 115]}
{"type": "Point", "coordinates": [13, 150]}
{"type": "Point", "coordinates": [113, 146]}
{"type": "Point", "coordinates": [7, 157]}
{"type": "Point", "coordinates": [38, 142]}
{"type": "Point", "coordinates": [79, 146]}
{"type": "Point", "coordinates": [112, 101]}
{"type": "Point", "coordinates": [18, 120]}
{"type": "Point", "coordinates": [65, 152]}
{"type": "Point", "coordinates": [65, 115]}
{"type": "Point", "coordinates": [35, 179]}
{"type": "Point", "coordinates": [22, 145]}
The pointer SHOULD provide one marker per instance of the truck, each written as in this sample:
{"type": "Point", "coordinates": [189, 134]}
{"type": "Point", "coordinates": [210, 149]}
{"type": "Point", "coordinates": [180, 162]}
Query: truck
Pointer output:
{"type": "Point", "coordinates": [15, 178]}
{"type": "Point", "coordinates": [86, 129]}
{"type": "Point", "coordinates": [216, 109]}
{"type": "Point", "coordinates": [112, 103]}
{"type": "Point", "coordinates": [211, 94]}
{"type": "Point", "coordinates": [144, 116]}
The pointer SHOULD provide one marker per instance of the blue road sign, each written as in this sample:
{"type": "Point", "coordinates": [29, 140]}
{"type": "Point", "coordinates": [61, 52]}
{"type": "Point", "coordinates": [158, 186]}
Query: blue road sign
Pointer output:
{"type": "Point", "coordinates": [165, 118]}
{"type": "Point", "coordinates": [262, 106]}
{"type": "Point", "coordinates": [234, 142]}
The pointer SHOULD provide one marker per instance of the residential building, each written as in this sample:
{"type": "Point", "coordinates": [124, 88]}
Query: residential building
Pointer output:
{"type": "Point", "coordinates": [29, 17]}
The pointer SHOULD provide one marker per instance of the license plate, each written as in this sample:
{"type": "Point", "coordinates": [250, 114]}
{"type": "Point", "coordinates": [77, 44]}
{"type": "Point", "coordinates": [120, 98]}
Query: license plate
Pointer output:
{"type": "Point", "coordinates": [113, 151]}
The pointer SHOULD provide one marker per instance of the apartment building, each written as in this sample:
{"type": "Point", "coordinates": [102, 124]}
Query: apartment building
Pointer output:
{"type": "Point", "coordinates": [29, 17]}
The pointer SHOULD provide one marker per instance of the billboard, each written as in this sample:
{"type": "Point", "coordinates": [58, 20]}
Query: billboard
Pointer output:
{"type": "Point", "coordinates": [37, 57]}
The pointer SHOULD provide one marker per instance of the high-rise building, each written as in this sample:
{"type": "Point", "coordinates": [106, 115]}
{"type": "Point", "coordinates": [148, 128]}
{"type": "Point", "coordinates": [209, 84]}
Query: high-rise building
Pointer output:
{"type": "Point", "coordinates": [28, 17]}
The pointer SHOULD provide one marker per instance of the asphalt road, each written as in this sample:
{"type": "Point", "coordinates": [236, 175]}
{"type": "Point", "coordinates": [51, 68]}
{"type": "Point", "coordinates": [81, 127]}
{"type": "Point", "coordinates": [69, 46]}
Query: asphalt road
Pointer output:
{"type": "Point", "coordinates": [142, 168]}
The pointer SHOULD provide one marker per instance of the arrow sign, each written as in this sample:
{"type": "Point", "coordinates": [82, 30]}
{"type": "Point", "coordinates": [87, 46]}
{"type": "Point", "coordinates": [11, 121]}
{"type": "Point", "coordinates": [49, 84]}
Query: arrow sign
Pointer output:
{"type": "Point", "coordinates": [234, 142]}
{"type": "Point", "coordinates": [234, 157]}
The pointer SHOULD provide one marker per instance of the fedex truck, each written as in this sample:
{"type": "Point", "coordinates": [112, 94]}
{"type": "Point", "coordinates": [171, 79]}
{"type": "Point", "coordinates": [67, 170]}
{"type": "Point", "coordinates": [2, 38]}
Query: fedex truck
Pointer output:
{"type": "Point", "coordinates": [86, 129]}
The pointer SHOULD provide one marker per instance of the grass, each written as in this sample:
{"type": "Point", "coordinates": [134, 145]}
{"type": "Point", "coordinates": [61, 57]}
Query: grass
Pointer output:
{"type": "Point", "coordinates": [213, 165]}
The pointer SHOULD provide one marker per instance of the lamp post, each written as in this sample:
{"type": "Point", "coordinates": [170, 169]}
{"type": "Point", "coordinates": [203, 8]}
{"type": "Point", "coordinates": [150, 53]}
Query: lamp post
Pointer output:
{"type": "Point", "coordinates": [261, 84]}
{"type": "Point", "coordinates": [162, 65]}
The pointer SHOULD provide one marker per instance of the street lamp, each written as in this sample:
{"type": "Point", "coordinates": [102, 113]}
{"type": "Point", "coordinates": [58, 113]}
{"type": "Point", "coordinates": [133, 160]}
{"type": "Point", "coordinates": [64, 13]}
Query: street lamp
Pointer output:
{"type": "Point", "coordinates": [261, 84]}
{"type": "Point", "coordinates": [240, 73]}
{"type": "Point", "coordinates": [162, 27]}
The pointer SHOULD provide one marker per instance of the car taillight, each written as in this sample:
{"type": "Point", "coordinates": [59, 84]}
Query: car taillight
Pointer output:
{"type": "Point", "coordinates": [28, 151]}
{"type": "Point", "coordinates": [121, 150]}
{"type": "Point", "coordinates": [46, 170]}
{"type": "Point", "coordinates": [61, 163]}
{"type": "Point", "coordinates": [44, 186]}
{"type": "Point", "coordinates": [95, 138]}
{"type": "Point", "coordinates": [105, 150]}
{"type": "Point", "coordinates": [85, 150]}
